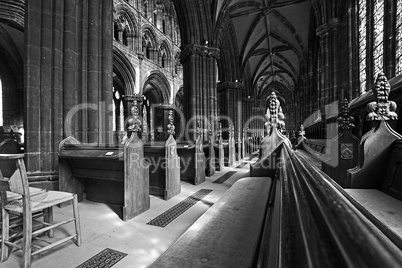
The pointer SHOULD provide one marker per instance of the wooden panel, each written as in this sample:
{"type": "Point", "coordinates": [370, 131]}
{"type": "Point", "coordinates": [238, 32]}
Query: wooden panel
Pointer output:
{"type": "Point", "coordinates": [114, 175]}
{"type": "Point", "coordinates": [375, 151]}
{"type": "Point", "coordinates": [136, 183]}
{"type": "Point", "coordinates": [344, 155]}
{"type": "Point", "coordinates": [393, 180]}
{"type": "Point", "coordinates": [192, 163]}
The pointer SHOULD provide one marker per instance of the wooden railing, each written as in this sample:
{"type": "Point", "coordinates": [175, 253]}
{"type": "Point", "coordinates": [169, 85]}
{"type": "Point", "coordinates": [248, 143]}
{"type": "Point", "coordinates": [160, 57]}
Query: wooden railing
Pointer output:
{"type": "Point", "coordinates": [319, 227]}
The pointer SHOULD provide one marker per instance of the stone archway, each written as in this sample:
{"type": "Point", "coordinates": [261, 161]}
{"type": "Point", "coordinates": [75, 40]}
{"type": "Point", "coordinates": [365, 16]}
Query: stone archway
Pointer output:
{"type": "Point", "coordinates": [156, 91]}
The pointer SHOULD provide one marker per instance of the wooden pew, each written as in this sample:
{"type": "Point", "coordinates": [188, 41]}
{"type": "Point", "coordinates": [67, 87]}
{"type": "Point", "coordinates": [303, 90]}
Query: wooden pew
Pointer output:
{"type": "Point", "coordinates": [164, 169]}
{"type": "Point", "coordinates": [299, 218]}
{"type": "Point", "coordinates": [224, 236]}
{"type": "Point", "coordinates": [112, 174]}
{"type": "Point", "coordinates": [344, 150]}
{"type": "Point", "coordinates": [192, 163]}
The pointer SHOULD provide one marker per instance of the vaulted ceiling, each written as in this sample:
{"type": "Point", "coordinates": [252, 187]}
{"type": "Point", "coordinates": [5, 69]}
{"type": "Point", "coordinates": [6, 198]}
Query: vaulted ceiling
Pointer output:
{"type": "Point", "coordinates": [270, 38]}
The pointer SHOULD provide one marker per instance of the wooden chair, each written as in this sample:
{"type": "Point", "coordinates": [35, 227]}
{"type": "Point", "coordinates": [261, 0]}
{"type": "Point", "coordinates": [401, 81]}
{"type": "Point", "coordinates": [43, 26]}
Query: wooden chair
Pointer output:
{"type": "Point", "coordinates": [28, 206]}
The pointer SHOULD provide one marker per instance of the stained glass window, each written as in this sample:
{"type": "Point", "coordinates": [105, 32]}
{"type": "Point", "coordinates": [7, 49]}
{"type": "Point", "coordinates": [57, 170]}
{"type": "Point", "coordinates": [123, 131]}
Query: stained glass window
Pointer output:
{"type": "Point", "coordinates": [1, 105]}
{"type": "Point", "coordinates": [398, 54]}
{"type": "Point", "coordinates": [378, 35]}
{"type": "Point", "coordinates": [362, 44]}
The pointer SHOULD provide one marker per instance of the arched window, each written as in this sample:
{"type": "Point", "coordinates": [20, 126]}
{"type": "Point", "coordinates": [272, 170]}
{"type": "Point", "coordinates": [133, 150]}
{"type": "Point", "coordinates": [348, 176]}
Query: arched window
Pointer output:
{"type": "Point", "coordinates": [378, 35]}
{"type": "Point", "coordinates": [125, 37]}
{"type": "Point", "coordinates": [398, 54]}
{"type": "Point", "coordinates": [116, 31]}
{"type": "Point", "coordinates": [362, 44]}
{"type": "Point", "coordinates": [163, 60]}
{"type": "Point", "coordinates": [148, 51]}
{"type": "Point", "coordinates": [118, 111]}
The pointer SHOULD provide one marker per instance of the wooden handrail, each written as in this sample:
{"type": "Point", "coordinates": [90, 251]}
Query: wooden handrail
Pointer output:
{"type": "Point", "coordinates": [319, 226]}
{"type": "Point", "coordinates": [11, 156]}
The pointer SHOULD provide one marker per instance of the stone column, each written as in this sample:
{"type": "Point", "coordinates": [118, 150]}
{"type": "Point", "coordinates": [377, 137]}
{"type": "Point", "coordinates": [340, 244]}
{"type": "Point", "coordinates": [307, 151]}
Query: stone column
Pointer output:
{"type": "Point", "coordinates": [68, 78]}
{"type": "Point", "coordinates": [230, 95]}
{"type": "Point", "coordinates": [199, 82]}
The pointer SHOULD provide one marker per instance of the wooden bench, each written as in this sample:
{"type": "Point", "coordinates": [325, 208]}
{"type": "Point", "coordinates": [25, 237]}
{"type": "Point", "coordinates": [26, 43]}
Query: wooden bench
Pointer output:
{"type": "Point", "coordinates": [164, 170]}
{"type": "Point", "coordinates": [301, 218]}
{"type": "Point", "coordinates": [381, 199]}
{"type": "Point", "coordinates": [192, 163]}
{"type": "Point", "coordinates": [112, 174]}
{"type": "Point", "coordinates": [228, 234]}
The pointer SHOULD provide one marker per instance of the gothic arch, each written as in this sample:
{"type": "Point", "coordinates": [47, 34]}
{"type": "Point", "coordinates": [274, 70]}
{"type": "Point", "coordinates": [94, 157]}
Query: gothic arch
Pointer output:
{"type": "Point", "coordinates": [13, 13]}
{"type": "Point", "coordinates": [127, 19]}
{"type": "Point", "coordinates": [149, 33]}
{"type": "Point", "coordinates": [157, 82]}
{"type": "Point", "coordinates": [124, 70]}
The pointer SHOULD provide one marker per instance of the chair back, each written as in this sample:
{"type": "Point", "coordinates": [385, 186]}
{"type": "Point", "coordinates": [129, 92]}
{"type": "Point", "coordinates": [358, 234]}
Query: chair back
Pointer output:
{"type": "Point", "coordinates": [18, 181]}
{"type": "Point", "coordinates": [9, 146]}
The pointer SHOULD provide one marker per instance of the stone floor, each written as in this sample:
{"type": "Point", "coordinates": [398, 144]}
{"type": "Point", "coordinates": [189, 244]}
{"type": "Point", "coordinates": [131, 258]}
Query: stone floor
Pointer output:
{"type": "Point", "coordinates": [103, 229]}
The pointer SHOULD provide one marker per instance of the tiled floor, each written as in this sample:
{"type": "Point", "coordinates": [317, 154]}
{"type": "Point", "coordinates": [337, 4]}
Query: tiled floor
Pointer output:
{"type": "Point", "coordinates": [102, 228]}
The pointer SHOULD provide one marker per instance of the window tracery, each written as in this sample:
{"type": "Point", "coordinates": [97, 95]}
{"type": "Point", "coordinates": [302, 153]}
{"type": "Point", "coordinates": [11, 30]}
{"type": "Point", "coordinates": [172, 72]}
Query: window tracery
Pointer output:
{"type": "Point", "coordinates": [378, 35]}
{"type": "Point", "coordinates": [398, 53]}
{"type": "Point", "coordinates": [362, 44]}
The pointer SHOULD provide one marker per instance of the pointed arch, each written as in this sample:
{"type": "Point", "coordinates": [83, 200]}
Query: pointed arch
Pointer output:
{"type": "Point", "coordinates": [124, 70]}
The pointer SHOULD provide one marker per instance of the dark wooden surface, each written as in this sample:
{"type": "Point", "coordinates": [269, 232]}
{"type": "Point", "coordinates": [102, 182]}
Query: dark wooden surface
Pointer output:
{"type": "Point", "coordinates": [192, 163]}
{"type": "Point", "coordinates": [109, 174]}
{"type": "Point", "coordinates": [392, 184]}
{"type": "Point", "coordinates": [321, 227]}
{"type": "Point", "coordinates": [344, 155]}
{"type": "Point", "coordinates": [375, 151]}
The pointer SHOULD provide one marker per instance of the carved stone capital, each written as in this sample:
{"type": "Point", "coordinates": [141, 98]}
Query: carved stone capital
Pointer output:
{"type": "Point", "coordinates": [327, 27]}
{"type": "Point", "coordinates": [201, 51]}
{"type": "Point", "coordinates": [230, 85]}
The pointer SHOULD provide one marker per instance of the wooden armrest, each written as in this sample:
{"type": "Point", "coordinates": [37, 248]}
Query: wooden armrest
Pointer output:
{"type": "Point", "coordinates": [11, 156]}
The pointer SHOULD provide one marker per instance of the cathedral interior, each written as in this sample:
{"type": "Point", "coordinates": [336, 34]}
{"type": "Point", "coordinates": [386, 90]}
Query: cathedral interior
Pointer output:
{"type": "Point", "coordinates": [201, 133]}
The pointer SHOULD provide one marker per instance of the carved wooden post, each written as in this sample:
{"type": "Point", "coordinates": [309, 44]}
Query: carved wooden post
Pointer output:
{"type": "Point", "coordinates": [221, 159]}
{"type": "Point", "coordinates": [199, 156]}
{"type": "Point", "coordinates": [376, 144]}
{"type": "Point", "coordinates": [243, 147]}
{"type": "Point", "coordinates": [239, 149]}
{"type": "Point", "coordinates": [211, 152]}
{"type": "Point", "coordinates": [136, 169]}
{"type": "Point", "coordinates": [172, 162]}
{"type": "Point", "coordinates": [344, 149]}
{"type": "Point", "coordinates": [232, 150]}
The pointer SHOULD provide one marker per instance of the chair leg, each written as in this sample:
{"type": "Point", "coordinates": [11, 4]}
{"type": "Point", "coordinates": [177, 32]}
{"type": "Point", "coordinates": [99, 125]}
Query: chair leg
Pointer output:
{"type": "Point", "coordinates": [27, 239]}
{"type": "Point", "coordinates": [48, 218]}
{"type": "Point", "coordinates": [4, 234]}
{"type": "Point", "coordinates": [77, 220]}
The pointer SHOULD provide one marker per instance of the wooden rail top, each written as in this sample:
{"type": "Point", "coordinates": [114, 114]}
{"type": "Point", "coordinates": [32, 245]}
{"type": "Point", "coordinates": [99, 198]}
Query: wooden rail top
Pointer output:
{"type": "Point", "coordinates": [88, 151]}
{"type": "Point", "coordinates": [227, 235]}
{"type": "Point", "coordinates": [11, 156]}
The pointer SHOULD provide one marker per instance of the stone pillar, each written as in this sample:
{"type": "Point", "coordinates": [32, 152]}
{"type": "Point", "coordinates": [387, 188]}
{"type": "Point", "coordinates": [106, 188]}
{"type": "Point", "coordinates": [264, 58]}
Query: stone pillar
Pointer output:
{"type": "Point", "coordinates": [199, 82]}
{"type": "Point", "coordinates": [68, 78]}
{"type": "Point", "coordinates": [230, 96]}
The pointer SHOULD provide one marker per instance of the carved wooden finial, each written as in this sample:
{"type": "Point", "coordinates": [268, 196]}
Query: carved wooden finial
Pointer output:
{"type": "Point", "coordinates": [382, 108]}
{"type": "Point", "coordinates": [198, 130]}
{"type": "Point", "coordinates": [345, 120]}
{"type": "Point", "coordinates": [219, 134]}
{"type": "Point", "coordinates": [301, 131]}
{"type": "Point", "coordinates": [171, 126]}
{"type": "Point", "coordinates": [134, 123]}
{"type": "Point", "coordinates": [274, 114]}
